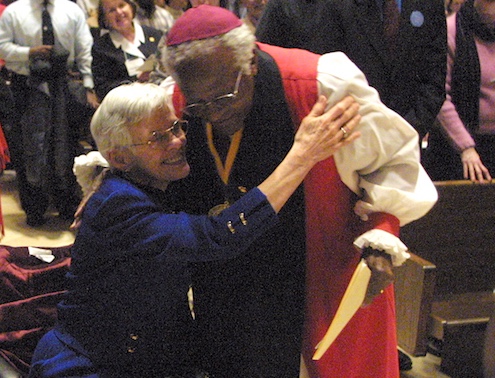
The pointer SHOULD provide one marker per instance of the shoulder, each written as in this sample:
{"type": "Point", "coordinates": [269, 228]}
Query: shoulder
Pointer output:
{"type": "Point", "coordinates": [338, 64]}
{"type": "Point", "coordinates": [103, 41]}
{"type": "Point", "coordinates": [17, 6]}
{"type": "Point", "coordinates": [116, 193]}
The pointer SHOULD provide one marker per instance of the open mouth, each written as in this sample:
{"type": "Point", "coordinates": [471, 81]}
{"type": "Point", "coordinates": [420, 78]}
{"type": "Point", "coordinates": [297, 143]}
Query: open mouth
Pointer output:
{"type": "Point", "coordinates": [177, 160]}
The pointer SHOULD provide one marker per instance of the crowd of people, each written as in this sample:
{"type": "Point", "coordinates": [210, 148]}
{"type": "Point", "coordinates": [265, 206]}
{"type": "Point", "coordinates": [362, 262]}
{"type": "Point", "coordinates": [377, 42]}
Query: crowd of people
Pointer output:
{"type": "Point", "coordinates": [367, 103]}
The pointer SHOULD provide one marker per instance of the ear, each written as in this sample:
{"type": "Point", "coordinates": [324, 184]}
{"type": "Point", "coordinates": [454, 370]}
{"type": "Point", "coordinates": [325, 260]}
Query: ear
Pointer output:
{"type": "Point", "coordinates": [120, 158]}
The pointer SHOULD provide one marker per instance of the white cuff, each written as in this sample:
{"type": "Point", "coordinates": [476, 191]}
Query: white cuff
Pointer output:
{"type": "Point", "coordinates": [386, 242]}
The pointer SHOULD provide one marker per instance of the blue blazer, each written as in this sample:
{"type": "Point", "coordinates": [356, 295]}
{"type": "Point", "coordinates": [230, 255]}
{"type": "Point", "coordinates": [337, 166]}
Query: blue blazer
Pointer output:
{"type": "Point", "coordinates": [126, 307]}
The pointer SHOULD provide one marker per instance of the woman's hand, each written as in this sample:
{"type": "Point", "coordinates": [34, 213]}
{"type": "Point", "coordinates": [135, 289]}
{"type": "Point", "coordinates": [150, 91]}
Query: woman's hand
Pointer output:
{"type": "Point", "coordinates": [319, 136]}
{"type": "Point", "coordinates": [322, 133]}
{"type": "Point", "coordinates": [473, 168]}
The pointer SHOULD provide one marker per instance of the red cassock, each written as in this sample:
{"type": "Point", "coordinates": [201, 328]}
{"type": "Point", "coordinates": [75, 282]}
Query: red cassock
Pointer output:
{"type": "Point", "coordinates": [367, 347]}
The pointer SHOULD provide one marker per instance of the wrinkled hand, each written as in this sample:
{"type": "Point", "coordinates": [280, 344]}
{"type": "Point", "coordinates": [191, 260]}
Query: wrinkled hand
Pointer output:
{"type": "Point", "coordinates": [473, 168]}
{"type": "Point", "coordinates": [382, 275]}
{"type": "Point", "coordinates": [320, 133]}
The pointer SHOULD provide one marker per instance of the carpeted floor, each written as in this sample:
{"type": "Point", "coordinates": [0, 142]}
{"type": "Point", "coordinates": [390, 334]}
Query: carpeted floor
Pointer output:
{"type": "Point", "coordinates": [17, 233]}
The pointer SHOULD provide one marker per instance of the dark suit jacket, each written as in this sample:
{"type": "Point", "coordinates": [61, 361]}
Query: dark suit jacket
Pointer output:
{"type": "Point", "coordinates": [109, 70]}
{"type": "Point", "coordinates": [412, 82]}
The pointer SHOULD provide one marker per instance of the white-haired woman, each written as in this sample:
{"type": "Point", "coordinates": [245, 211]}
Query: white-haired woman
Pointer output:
{"type": "Point", "coordinates": [126, 311]}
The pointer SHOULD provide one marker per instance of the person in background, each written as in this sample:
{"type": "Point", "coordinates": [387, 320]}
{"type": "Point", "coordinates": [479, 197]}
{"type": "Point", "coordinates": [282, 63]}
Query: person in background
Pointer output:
{"type": "Point", "coordinates": [468, 113]}
{"type": "Point", "coordinates": [254, 10]}
{"type": "Point", "coordinates": [235, 6]}
{"type": "Point", "coordinates": [90, 9]}
{"type": "Point", "coordinates": [195, 3]}
{"type": "Point", "coordinates": [41, 139]}
{"type": "Point", "coordinates": [118, 56]}
{"type": "Point", "coordinates": [150, 14]}
{"type": "Point", "coordinates": [126, 311]}
{"type": "Point", "coordinates": [5, 96]}
{"type": "Point", "coordinates": [399, 45]}
{"type": "Point", "coordinates": [174, 7]}
{"type": "Point", "coordinates": [243, 101]}
{"type": "Point", "coordinates": [4, 155]}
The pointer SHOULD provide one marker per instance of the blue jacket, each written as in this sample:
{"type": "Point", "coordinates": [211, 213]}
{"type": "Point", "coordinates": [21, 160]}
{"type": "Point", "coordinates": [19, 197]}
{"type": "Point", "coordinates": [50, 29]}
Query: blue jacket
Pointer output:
{"type": "Point", "coordinates": [127, 304]}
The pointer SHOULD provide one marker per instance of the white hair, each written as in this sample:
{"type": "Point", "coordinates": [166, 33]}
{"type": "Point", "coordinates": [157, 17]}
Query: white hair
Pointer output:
{"type": "Point", "coordinates": [122, 108]}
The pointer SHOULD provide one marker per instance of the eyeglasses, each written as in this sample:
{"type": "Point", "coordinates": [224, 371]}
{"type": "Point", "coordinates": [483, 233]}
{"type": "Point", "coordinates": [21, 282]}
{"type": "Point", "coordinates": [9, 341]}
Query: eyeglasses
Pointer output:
{"type": "Point", "coordinates": [203, 109]}
{"type": "Point", "coordinates": [162, 138]}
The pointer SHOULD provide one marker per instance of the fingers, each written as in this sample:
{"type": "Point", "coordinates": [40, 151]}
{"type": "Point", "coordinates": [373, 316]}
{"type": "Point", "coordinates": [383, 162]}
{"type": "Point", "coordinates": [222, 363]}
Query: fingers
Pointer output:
{"type": "Point", "coordinates": [345, 117]}
{"type": "Point", "coordinates": [40, 51]}
{"type": "Point", "coordinates": [319, 107]}
{"type": "Point", "coordinates": [476, 172]}
{"type": "Point", "coordinates": [382, 274]}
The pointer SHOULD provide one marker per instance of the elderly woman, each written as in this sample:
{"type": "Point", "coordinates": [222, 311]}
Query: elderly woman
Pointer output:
{"type": "Point", "coordinates": [126, 312]}
{"type": "Point", "coordinates": [118, 56]}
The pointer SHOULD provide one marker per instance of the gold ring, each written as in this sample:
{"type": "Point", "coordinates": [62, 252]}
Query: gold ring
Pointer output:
{"type": "Point", "coordinates": [344, 131]}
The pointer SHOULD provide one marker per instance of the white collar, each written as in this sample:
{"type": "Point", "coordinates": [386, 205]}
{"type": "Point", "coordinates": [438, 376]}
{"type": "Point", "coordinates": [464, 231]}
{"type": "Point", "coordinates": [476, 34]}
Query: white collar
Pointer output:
{"type": "Point", "coordinates": [127, 46]}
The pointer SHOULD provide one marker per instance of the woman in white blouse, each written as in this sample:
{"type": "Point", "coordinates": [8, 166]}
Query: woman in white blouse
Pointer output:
{"type": "Point", "coordinates": [119, 56]}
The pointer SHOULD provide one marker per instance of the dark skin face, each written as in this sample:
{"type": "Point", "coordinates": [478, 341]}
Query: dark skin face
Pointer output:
{"type": "Point", "coordinates": [213, 76]}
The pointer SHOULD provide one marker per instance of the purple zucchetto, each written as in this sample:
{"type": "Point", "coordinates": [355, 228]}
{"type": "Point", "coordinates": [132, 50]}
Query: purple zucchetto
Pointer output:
{"type": "Point", "coordinates": [202, 22]}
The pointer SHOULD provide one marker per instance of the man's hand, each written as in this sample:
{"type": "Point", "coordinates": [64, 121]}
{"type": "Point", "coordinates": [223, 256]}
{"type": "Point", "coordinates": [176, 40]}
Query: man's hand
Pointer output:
{"type": "Point", "coordinates": [382, 275]}
{"type": "Point", "coordinates": [43, 51]}
{"type": "Point", "coordinates": [92, 99]}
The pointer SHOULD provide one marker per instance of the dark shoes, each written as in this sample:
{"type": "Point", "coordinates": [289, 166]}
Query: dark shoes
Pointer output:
{"type": "Point", "coordinates": [405, 362]}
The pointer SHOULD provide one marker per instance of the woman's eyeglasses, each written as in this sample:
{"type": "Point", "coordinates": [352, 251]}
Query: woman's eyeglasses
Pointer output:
{"type": "Point", "coordinates": [162, 138]}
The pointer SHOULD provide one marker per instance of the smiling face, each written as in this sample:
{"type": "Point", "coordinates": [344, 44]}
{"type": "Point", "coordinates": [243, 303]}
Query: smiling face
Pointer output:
{"type": "Point", "coordinates": [118, 15]}
{"type": "Point", "coordinates": [159, 164]}
{"type": "Point", "coordinates": [211, 77]}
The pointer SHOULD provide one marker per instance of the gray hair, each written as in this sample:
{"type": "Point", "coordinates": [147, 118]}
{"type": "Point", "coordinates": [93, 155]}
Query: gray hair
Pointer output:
{"type": "Point", "coordinates": [240, 40]}
{"type": "Point", "coordinates": [122, 108]}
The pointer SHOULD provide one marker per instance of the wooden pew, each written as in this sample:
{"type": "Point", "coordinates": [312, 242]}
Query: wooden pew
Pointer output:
{"type": "Point", "coordinates": [455, 241]}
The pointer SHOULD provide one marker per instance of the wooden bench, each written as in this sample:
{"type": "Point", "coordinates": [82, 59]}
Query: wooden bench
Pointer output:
{"type": "Point", "coordinates": [449, 284]}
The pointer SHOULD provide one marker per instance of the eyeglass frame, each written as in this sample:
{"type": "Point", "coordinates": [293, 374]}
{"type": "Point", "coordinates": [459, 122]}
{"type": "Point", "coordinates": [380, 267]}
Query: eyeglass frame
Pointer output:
{"type": "Point", "coordinates": [207, 104]}
{"type": "Point", "coordinates": [179, 126]}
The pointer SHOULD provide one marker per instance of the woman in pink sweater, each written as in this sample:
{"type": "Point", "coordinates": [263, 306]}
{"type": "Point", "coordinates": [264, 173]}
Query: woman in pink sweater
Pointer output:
{"type": "Point", "coordinates": [468, 114]}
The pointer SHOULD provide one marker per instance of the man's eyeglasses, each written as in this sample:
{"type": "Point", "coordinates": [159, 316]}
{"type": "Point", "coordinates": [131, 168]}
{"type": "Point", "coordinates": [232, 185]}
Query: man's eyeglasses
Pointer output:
{"type": "Point", "coordinates": [203, 109]}
{"type": "Point", "coordinates": [162, 138]}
